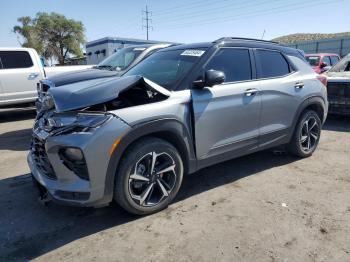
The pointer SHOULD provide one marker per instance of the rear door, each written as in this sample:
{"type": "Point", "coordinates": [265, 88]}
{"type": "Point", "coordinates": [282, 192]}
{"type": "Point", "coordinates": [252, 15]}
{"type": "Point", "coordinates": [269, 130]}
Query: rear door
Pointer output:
{"type": "Point", "coordinates": [227, 115]}
{"type": "Point", "coordinates": [18, 76]}
{"type": "Point", "coordinates": [280, 93]}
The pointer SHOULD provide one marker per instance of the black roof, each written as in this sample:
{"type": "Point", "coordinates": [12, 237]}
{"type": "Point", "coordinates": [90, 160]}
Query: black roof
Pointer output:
{"type": "Point", "coordinates": [189, 46]}
{"type": "Point", "coordinates": [243, 39]}
{"type": "Point", "coordinates": [239, 42]}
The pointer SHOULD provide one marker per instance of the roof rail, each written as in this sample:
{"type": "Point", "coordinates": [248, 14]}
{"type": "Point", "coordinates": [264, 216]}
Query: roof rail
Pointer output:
{"type": "Point", "coordinates": [242, 38]}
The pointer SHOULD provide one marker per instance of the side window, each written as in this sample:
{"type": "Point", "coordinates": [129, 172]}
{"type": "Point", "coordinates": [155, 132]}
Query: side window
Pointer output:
{"type": "Point", "coordinates": [235, 63]}
{"type": "Point", "coordinates": [271, 64]}
{"type": "Point", "coordinates": [15, 59]}
{"type": "Point", "coordinates": [334, 60]}
{"type": "Point", "coordinates": [326, 60]}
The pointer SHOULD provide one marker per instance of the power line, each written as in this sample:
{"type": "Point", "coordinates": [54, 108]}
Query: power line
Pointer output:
{"type": "Point", "coordinates": [215, 10]}
{"type": "Point", "coordinates": [248, 14]}
{"type": "Point", "coordinates": [187, 6]}
{"type": "Point", "coordinates": [199, 12]}
{"type": "Point", "coordinates": [233, 16]}
{"type": "Point", "coordinates": [133, 24]}
{"type": "Point", "coordinates": [147, 19]}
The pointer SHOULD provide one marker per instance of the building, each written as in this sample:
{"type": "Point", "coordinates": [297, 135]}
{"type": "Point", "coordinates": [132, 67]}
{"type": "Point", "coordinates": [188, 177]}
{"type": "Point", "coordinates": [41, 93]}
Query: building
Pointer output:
{"type": "Point", "coordinates": [339, 46]}
{"type": "Point", "coordinates": [98, 50]}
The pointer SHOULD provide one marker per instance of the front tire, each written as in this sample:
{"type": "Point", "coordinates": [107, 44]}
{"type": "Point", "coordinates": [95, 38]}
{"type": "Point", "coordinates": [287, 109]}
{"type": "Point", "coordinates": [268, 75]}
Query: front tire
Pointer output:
{"type": "Point", "coordinates": [149, 176]}
{"type": "Point", "coordinates": [306, 135]}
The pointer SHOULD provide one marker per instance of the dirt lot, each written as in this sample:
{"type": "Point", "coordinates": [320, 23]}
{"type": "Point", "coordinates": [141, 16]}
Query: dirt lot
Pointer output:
{"type": "Point", "coordinates": [261, 207]}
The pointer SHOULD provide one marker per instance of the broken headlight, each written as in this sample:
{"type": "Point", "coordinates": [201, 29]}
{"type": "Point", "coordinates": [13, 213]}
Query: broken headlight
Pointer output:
{"type": "Point", "coordinates": [79, 122]}
{"type": "Point", "coordinates": [92, 120]}
{"type": "Point", "coordinates": [45, 103]}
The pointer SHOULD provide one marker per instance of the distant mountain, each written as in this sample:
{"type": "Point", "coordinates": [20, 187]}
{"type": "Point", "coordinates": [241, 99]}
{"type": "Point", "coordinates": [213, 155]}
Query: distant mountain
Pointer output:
{"type": "Point", "coordinates": [293, 38]}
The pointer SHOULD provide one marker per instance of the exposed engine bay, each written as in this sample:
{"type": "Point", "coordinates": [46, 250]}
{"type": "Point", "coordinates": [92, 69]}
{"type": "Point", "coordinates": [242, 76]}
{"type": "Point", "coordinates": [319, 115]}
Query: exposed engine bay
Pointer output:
{"type": "Point", "coordinates": [102, 95]}
{"type": "Point", "coordinates": [138, 95]}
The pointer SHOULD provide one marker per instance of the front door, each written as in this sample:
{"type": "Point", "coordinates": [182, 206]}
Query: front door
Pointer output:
{"type": "Point", "coordinates": [227, 116]}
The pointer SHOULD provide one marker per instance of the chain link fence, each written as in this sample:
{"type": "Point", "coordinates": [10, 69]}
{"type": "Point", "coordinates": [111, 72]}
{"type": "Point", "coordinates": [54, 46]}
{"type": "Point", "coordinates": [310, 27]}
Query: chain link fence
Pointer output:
{"type": "Point", "coordinates": [339, 46]}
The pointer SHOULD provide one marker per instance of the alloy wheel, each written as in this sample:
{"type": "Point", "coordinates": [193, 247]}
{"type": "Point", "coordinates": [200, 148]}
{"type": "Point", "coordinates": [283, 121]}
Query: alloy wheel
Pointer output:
{"type": "Point", "coordinates": [309, 134]}
{"type": "Point", "coordinates": [152, 179]}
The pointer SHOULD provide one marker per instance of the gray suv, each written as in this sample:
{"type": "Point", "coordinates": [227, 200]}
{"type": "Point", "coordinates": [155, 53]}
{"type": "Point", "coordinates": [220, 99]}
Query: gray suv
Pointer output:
{"type": "Point", "coordinates": [183, 108]}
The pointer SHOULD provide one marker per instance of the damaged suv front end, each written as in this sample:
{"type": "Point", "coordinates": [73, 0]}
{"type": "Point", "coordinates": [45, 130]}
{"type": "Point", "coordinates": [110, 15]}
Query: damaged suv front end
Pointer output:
{"type": "Point", "coordinates": [76, 132]}
{"type": "Point", "coordinates": [338, 87]}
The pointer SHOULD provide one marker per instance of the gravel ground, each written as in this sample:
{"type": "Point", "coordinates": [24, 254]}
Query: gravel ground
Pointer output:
{"type": "Point", "coordinates": [262, 207]}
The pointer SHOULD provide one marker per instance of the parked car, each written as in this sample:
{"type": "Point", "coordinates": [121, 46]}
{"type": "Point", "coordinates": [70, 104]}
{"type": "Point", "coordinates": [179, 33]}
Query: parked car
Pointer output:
{"type": "Point", "coordinates": [112, 66]}
{"type": "Point", "coordinates": [338, 87]}
{"type": "Point", "coordinates": [184, 108]}
{"type": "Point", "coordinates": [20, 71]}
{"type": "Point", "coordinates": [322, 62]}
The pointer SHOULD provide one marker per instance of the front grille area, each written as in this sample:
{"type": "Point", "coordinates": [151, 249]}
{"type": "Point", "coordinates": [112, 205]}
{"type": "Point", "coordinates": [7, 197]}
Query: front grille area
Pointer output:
{"type": "Point", "coordinates": [338, 90]}
{"type": "Point", "coordinates": [41, 159]}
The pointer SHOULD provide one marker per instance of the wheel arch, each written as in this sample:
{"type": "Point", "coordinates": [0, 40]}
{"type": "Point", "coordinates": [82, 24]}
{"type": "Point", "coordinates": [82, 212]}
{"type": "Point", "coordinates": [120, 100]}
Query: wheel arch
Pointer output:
{"type": "Point", "coordinates": [315, 103]}
{"type": "Point", "coordinates": [170, 130]}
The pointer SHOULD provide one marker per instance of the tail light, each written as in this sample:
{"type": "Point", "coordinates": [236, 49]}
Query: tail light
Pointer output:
{"type": "Point", "coordinates": [323, 79]}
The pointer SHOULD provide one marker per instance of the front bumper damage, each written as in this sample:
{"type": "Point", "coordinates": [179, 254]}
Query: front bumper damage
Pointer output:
{"type": "Point", "coordinates": [83, 182]}
{"type": "Point", "coordinates": [63, 185]}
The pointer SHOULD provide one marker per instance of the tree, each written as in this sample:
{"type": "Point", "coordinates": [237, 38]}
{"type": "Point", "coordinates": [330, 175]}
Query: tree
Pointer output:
{"type": "Point", "coordinates": [52, 35]}
{"type": "Point", "coordinates": [28, 32]}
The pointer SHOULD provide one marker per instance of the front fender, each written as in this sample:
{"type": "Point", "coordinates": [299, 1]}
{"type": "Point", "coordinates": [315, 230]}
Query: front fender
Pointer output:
{"type": "Point", "coordinates": [169, 129]}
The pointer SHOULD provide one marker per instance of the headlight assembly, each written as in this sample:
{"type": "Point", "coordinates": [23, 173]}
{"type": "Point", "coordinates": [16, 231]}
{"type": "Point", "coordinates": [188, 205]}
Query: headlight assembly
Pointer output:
{"type": "Point", "coordinates": [92, 120]}
{"type": "Point", "coordinates": [81, 122]}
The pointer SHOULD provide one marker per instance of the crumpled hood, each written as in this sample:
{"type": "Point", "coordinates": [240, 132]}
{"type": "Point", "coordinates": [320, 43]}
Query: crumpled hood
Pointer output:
{"type": "Point", "coordinates": [82, 75]}
{"type": "Point", "coordinates": [88, 93]}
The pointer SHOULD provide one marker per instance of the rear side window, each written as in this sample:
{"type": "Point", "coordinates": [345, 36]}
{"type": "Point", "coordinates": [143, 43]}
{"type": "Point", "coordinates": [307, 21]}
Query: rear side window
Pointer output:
{"type": "Point", "coordinates": [334, 60]}
{"type": "Point", "coordinates": [235, 63]}
{"type": "Point", "coordinates": [15, 59]}
{"type": "Point", "coordinates": [271, 64]}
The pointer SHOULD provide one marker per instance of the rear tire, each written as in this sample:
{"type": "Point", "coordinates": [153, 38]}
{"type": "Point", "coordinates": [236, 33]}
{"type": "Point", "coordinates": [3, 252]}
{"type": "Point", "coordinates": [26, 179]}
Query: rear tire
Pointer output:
{"type": "Point", "coordinates": [149, 176]}
{"type": "Point", "coordinates": [306, 135]}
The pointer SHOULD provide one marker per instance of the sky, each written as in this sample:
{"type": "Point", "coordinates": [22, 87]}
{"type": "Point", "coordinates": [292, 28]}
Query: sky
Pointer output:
{"type": "Point", "coordinates": [185, 21]}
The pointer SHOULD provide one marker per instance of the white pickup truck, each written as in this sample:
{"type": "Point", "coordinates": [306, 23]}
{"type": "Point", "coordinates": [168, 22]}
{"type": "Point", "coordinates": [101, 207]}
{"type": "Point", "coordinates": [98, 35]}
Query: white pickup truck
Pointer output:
{"type": "Point", "coordinates": [20, 71]}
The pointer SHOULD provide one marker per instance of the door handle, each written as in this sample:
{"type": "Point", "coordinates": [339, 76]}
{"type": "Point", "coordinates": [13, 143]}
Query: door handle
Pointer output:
{"type": "Point", "coordinates": [251, 92]}
{"type": "Point", "coordinates": [32, 76]}
{"type": "Point", "coordinates": [299, 85]}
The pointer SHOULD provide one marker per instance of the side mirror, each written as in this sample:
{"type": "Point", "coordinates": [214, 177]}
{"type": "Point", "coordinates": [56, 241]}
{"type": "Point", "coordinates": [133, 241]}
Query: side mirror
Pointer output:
{"type": "Point", "coordinates": [214, 77]}
{"type": "Point", "coordinates": [211, 78]}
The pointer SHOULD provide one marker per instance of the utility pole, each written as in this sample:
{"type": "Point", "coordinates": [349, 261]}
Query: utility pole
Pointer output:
{"type": "Point", "coordinates": [263, 34]}
{"type": "Point", "coordinates": [148, 20]}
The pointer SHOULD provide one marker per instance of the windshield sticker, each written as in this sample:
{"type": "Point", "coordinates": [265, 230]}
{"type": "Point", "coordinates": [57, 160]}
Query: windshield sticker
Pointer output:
{"type": "Point", "coordinates": [139, 49]}
{"type": "Point", "coordinates": [193, 52]}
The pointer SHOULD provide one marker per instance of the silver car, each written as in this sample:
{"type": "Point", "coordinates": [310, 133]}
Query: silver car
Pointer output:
{"type": "Point", "coordinates": [183, 108]}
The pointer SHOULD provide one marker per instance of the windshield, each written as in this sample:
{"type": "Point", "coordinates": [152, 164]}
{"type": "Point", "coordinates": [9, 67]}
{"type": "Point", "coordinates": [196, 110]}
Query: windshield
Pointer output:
{"type": "Point", "coordinates": [313, 60]}
{"type": "Point", "coordinates": [342, 66]}
{"type": "Point", "coordinates": [121, 59]}
{"type": "Point", "coordinates": [166, 68]}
